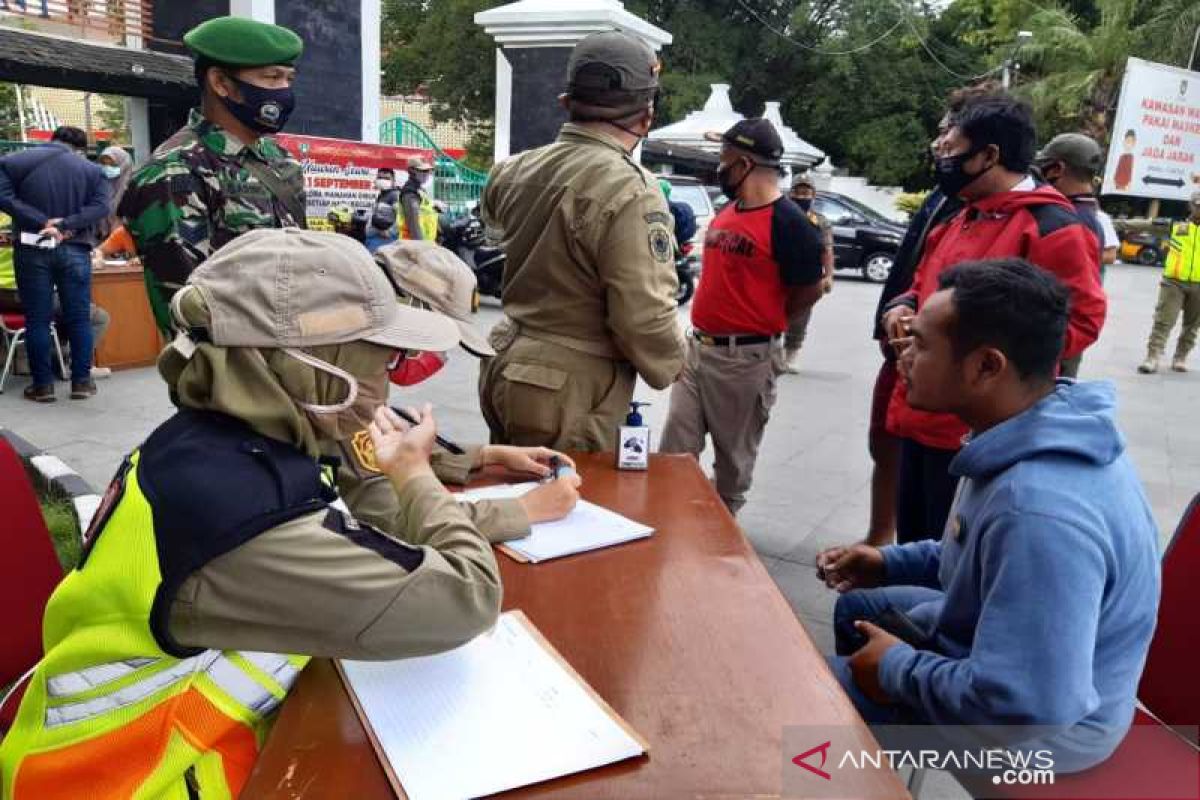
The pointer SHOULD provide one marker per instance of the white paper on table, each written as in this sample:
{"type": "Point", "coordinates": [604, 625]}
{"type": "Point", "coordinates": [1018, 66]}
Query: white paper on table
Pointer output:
{"type": "Point", "coordinates": [587, 527]}
{"type": "Point", "coordinates": [500, 712]}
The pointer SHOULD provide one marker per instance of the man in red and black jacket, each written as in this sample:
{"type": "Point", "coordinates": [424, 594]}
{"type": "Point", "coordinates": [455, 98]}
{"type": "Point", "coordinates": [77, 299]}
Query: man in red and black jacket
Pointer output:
{"type": "Point", "coordinates": [984, 160]}
{"type": "Point", "coordinates": [762, 267]}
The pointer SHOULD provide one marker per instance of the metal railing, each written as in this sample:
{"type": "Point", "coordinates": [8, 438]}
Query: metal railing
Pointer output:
{"type": "Point", "coordinates": [10, 146]}
{"type": "Point", "coordinates": [124, 22]}
{"type": "Point", "coordinates": [455, 184]}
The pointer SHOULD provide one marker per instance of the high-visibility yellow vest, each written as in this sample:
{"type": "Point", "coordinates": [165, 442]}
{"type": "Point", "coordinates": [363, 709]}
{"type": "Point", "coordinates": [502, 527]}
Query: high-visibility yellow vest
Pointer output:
{"type": "Point", "coordinates": [1183, 252]}
{"type": "Point", "coordinates": [427, 220]}
{"type": "Point", "coordinates": [109, 713]}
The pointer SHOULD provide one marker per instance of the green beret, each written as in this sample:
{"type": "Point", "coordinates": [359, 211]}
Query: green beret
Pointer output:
{"type": "Point", "coordinates": [241, 42]}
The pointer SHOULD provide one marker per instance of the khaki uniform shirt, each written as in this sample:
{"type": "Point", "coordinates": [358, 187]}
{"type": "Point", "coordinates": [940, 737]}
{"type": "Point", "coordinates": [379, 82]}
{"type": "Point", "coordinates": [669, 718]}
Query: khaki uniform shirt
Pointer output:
{"type": "Point", "coordinates": [589, 243]}
{"type": "Point", "coordinates": [369, 492]}
{"type": "Point", "coordinates": [325, 584]}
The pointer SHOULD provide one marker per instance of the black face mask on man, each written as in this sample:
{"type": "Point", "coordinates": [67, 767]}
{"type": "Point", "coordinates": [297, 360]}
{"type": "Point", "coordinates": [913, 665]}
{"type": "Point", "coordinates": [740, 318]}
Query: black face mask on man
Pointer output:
{"type": "Point", "coordinates": [950, 176]}
{"type": "Point", "coordinates": [730, 187]}
{"type": "Point", "coordinates": [805, 203]}
{"type": "Point", "coordinates": [261, 110]}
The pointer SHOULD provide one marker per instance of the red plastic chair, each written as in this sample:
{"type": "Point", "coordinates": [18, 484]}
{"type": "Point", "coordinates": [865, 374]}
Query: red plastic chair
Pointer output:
{"type": "Point", "coordinates": [1153, 754]}
{"type": "Point", "coordinates": [29, 571]}
{"type": "Point", "coordinates": [12, 331]}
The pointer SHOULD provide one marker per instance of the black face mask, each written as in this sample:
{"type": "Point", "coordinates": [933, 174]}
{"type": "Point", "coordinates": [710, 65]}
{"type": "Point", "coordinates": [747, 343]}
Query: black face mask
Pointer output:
{"type": "Point", "coordinates": [805, 203]}
{"type": "Point", "coordinates": [949, 174]}
{"type": "Point", "coordinates": [730, 188]}
{"type": "Point", "coordinates": [262, 110]}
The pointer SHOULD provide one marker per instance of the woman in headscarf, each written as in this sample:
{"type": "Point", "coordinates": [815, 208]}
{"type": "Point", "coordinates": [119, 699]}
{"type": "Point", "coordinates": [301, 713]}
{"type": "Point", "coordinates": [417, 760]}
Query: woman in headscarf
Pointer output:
{"type": "Point", "coordinates": [117, 165]}
{"type": "Point", "coordinates": [222, 556]}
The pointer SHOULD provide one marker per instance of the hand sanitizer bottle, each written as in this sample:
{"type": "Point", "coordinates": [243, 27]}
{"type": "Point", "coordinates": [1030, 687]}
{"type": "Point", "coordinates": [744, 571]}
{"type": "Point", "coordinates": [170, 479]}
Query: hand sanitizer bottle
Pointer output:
{"type": "Point", "coordinates": [633, 440]}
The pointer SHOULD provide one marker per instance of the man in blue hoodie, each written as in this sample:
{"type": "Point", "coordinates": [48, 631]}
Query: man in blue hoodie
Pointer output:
{"type": "Point", "coordinates": [1037, 606]}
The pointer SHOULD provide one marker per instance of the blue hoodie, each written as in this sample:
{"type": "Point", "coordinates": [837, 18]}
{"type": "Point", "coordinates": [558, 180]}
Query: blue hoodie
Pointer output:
{"type": "Point", "coordinates": [1050, 571]}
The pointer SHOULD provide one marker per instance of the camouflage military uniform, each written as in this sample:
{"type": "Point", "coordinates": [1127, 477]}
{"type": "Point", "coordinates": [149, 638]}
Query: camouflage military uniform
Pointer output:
{"type": "Point", "coordinates": [195, 195]}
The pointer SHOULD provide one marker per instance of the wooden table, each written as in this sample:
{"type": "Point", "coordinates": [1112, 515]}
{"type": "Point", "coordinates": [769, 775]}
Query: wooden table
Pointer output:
{"type": "Point", "coordinates": [684, 634]}
{"type": "Point", "coordinates": [132, 339]}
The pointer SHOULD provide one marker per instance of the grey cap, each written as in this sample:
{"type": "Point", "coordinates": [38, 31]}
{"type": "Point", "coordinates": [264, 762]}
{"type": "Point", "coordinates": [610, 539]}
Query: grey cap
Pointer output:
{"type": "Point", "coordinates": [439, 279]}
{"type": "Point", "coordinates": [612, 69]}
{"type": "Point", "coordinates": [295, 288]}
{"type": "Point", "coordinates": [1075, 150]}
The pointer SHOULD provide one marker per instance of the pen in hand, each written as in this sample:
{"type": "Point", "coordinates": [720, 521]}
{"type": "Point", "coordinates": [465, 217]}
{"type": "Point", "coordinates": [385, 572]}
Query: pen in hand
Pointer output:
{"type": "Point", "coordinates": [445, 444]}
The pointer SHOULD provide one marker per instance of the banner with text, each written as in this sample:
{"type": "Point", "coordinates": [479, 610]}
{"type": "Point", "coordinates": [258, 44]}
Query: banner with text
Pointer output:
{"type": "Point", "coordinates": [1155, 149]}
{"type": "Point", "coordinates": [342, 172]}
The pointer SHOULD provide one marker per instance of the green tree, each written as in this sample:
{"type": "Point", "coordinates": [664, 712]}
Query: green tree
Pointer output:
{"type": "Point", "coordinates": [10, 124]}
{"type": "Point", "coordinates": [436, 48]}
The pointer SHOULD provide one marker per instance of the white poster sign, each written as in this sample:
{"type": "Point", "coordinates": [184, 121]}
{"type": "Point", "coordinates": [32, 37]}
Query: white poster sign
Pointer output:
{"type": "Point", "coordinates": [1155, 148]}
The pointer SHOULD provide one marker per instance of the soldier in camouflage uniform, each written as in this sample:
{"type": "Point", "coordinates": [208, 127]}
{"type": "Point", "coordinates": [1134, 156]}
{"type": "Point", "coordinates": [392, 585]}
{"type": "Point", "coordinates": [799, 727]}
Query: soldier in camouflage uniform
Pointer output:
{"type": "Point", "coordinates": [221, 175]}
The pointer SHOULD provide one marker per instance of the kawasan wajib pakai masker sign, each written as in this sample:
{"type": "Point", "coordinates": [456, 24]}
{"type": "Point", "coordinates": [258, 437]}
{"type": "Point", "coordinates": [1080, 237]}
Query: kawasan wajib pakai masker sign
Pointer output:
{"type": "Point", "coordinates": [342, 172]}
{"type": "Point", "coordinates": [1155, 147]}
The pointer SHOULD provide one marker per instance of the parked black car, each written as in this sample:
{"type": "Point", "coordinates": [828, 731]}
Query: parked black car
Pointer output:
{"type": "Point", "coordinates": [863, 239]}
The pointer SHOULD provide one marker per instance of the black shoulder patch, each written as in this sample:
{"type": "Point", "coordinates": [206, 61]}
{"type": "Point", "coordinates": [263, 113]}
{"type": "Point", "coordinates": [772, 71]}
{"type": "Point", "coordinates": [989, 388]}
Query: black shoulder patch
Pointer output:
{"type": "Point", "coordinates": [1051, 218]}
{"type": "Point", "coordinates": [366, 536]}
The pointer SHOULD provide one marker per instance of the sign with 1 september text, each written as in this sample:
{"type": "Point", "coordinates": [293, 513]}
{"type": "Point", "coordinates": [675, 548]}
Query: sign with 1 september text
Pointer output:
{"type": "Point", "coordinates": [342, 172]}
{"type": "Point", "coordinates": [1155, 148]}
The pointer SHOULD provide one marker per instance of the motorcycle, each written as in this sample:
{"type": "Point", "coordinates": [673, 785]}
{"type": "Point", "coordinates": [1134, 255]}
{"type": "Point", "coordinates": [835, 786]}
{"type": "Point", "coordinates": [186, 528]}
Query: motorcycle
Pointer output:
{"type": "Point", "coordinates": [687, 267]}
{"type": "Point", "coordinates": [1142, 247]}
{"type": "Point", "coordinates": [464, 236]}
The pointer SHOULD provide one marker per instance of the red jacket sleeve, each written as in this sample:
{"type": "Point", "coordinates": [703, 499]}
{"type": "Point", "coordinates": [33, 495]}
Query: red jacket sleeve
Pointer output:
{"type": "Point", "coordinates": [1071, 254]}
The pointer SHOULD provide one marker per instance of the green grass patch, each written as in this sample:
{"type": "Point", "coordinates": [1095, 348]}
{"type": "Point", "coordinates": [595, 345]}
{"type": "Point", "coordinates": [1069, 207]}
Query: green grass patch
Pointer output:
{"type": "Point", "coordinates": [64, 530]}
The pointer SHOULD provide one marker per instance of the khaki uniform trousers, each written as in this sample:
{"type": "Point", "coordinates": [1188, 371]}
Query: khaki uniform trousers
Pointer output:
{"type": "Point", "coordinates": [535, 393]}
{"type": "Point", "coordinates": [1175, 296]}
{"type": "Point", "coordinates": [726, 392]}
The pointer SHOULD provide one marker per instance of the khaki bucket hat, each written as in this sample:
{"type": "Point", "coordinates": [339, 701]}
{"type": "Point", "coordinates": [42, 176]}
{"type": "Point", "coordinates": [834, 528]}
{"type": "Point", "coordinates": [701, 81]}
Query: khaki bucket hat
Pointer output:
{"type": "Point", "coordinates": [295, 288]}
{"type": "Point", "coordinates": [438, 278]}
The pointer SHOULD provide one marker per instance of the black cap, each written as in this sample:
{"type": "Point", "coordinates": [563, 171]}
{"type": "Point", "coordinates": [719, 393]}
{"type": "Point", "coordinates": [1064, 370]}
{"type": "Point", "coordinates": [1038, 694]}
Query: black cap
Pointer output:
{"type": "Point", "coordinates": [756, 136]}
{"type": "Point", "coordinates": [612, 69]}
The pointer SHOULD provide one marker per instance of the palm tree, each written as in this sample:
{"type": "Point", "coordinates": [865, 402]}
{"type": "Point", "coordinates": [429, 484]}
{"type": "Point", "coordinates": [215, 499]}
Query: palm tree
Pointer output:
{"type": "Point", "coordinates": [1075, 71]}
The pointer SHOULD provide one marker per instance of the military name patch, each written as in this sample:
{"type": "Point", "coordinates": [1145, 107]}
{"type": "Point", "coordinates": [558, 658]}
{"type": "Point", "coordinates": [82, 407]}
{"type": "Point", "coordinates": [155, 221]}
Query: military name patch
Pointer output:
{"type": "Point", "coordinates": [658, 218]}
{"type": "Point", "coordinates": [660, 244]}
{"type": "Point", "coordinates": [364, 451]}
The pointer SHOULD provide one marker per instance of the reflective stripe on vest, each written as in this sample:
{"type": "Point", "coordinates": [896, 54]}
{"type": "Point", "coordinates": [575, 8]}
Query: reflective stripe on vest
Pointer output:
{"type": "Point", "coordinates": [108, 715]}
{"type": "Point", "coordinates": [220, 669]}
{"type": "Point", "coordinates": [1183, 253]}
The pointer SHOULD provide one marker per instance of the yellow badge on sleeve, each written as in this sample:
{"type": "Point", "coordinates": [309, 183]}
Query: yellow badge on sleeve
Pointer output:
{"type": "Point", "coordinates": [364, 451]}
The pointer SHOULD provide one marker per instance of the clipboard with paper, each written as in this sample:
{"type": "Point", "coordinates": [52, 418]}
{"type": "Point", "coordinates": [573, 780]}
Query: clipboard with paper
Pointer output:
{"type": "Point", "coordinates": [502, 711]}
{"type": "Point", "coordinates": [588, 527]}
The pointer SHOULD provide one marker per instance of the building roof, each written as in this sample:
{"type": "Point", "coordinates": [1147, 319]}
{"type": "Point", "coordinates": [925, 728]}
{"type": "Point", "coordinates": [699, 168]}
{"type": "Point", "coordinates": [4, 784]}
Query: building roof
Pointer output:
{"type": "Point", "coordinates": [718, 115]}
{"type": "Point", "coordinates": [655, 152]}
{"type": "Point", "coordinates": [558, 22]}
{"type": "Point", "coordinates": [47, 60]}
{"type": "Point", "coordinates": [792, 144]}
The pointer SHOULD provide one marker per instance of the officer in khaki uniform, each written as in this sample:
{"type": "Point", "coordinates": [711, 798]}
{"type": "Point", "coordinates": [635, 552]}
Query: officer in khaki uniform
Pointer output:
{"type": "Point", "coordinates": [222, 557]}
{"type": "Point", "coordinates": [589, 284]}
{"type": "Point", "coordinates": [430, 277]}
{"type": "Point", "coordinates": [1179, 291]}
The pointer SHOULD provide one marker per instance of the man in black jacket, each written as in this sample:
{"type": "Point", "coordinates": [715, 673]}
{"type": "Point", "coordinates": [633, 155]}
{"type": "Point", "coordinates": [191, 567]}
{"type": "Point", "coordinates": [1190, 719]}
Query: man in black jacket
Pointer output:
{"type": "Point", "coordinates": [884, 447]}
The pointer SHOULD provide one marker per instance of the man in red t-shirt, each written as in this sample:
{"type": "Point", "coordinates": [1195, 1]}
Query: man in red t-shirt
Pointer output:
{"type": "Point", "coordinates": [762, 266]}
{"type": "Point", "coordinates": [984, 159]}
